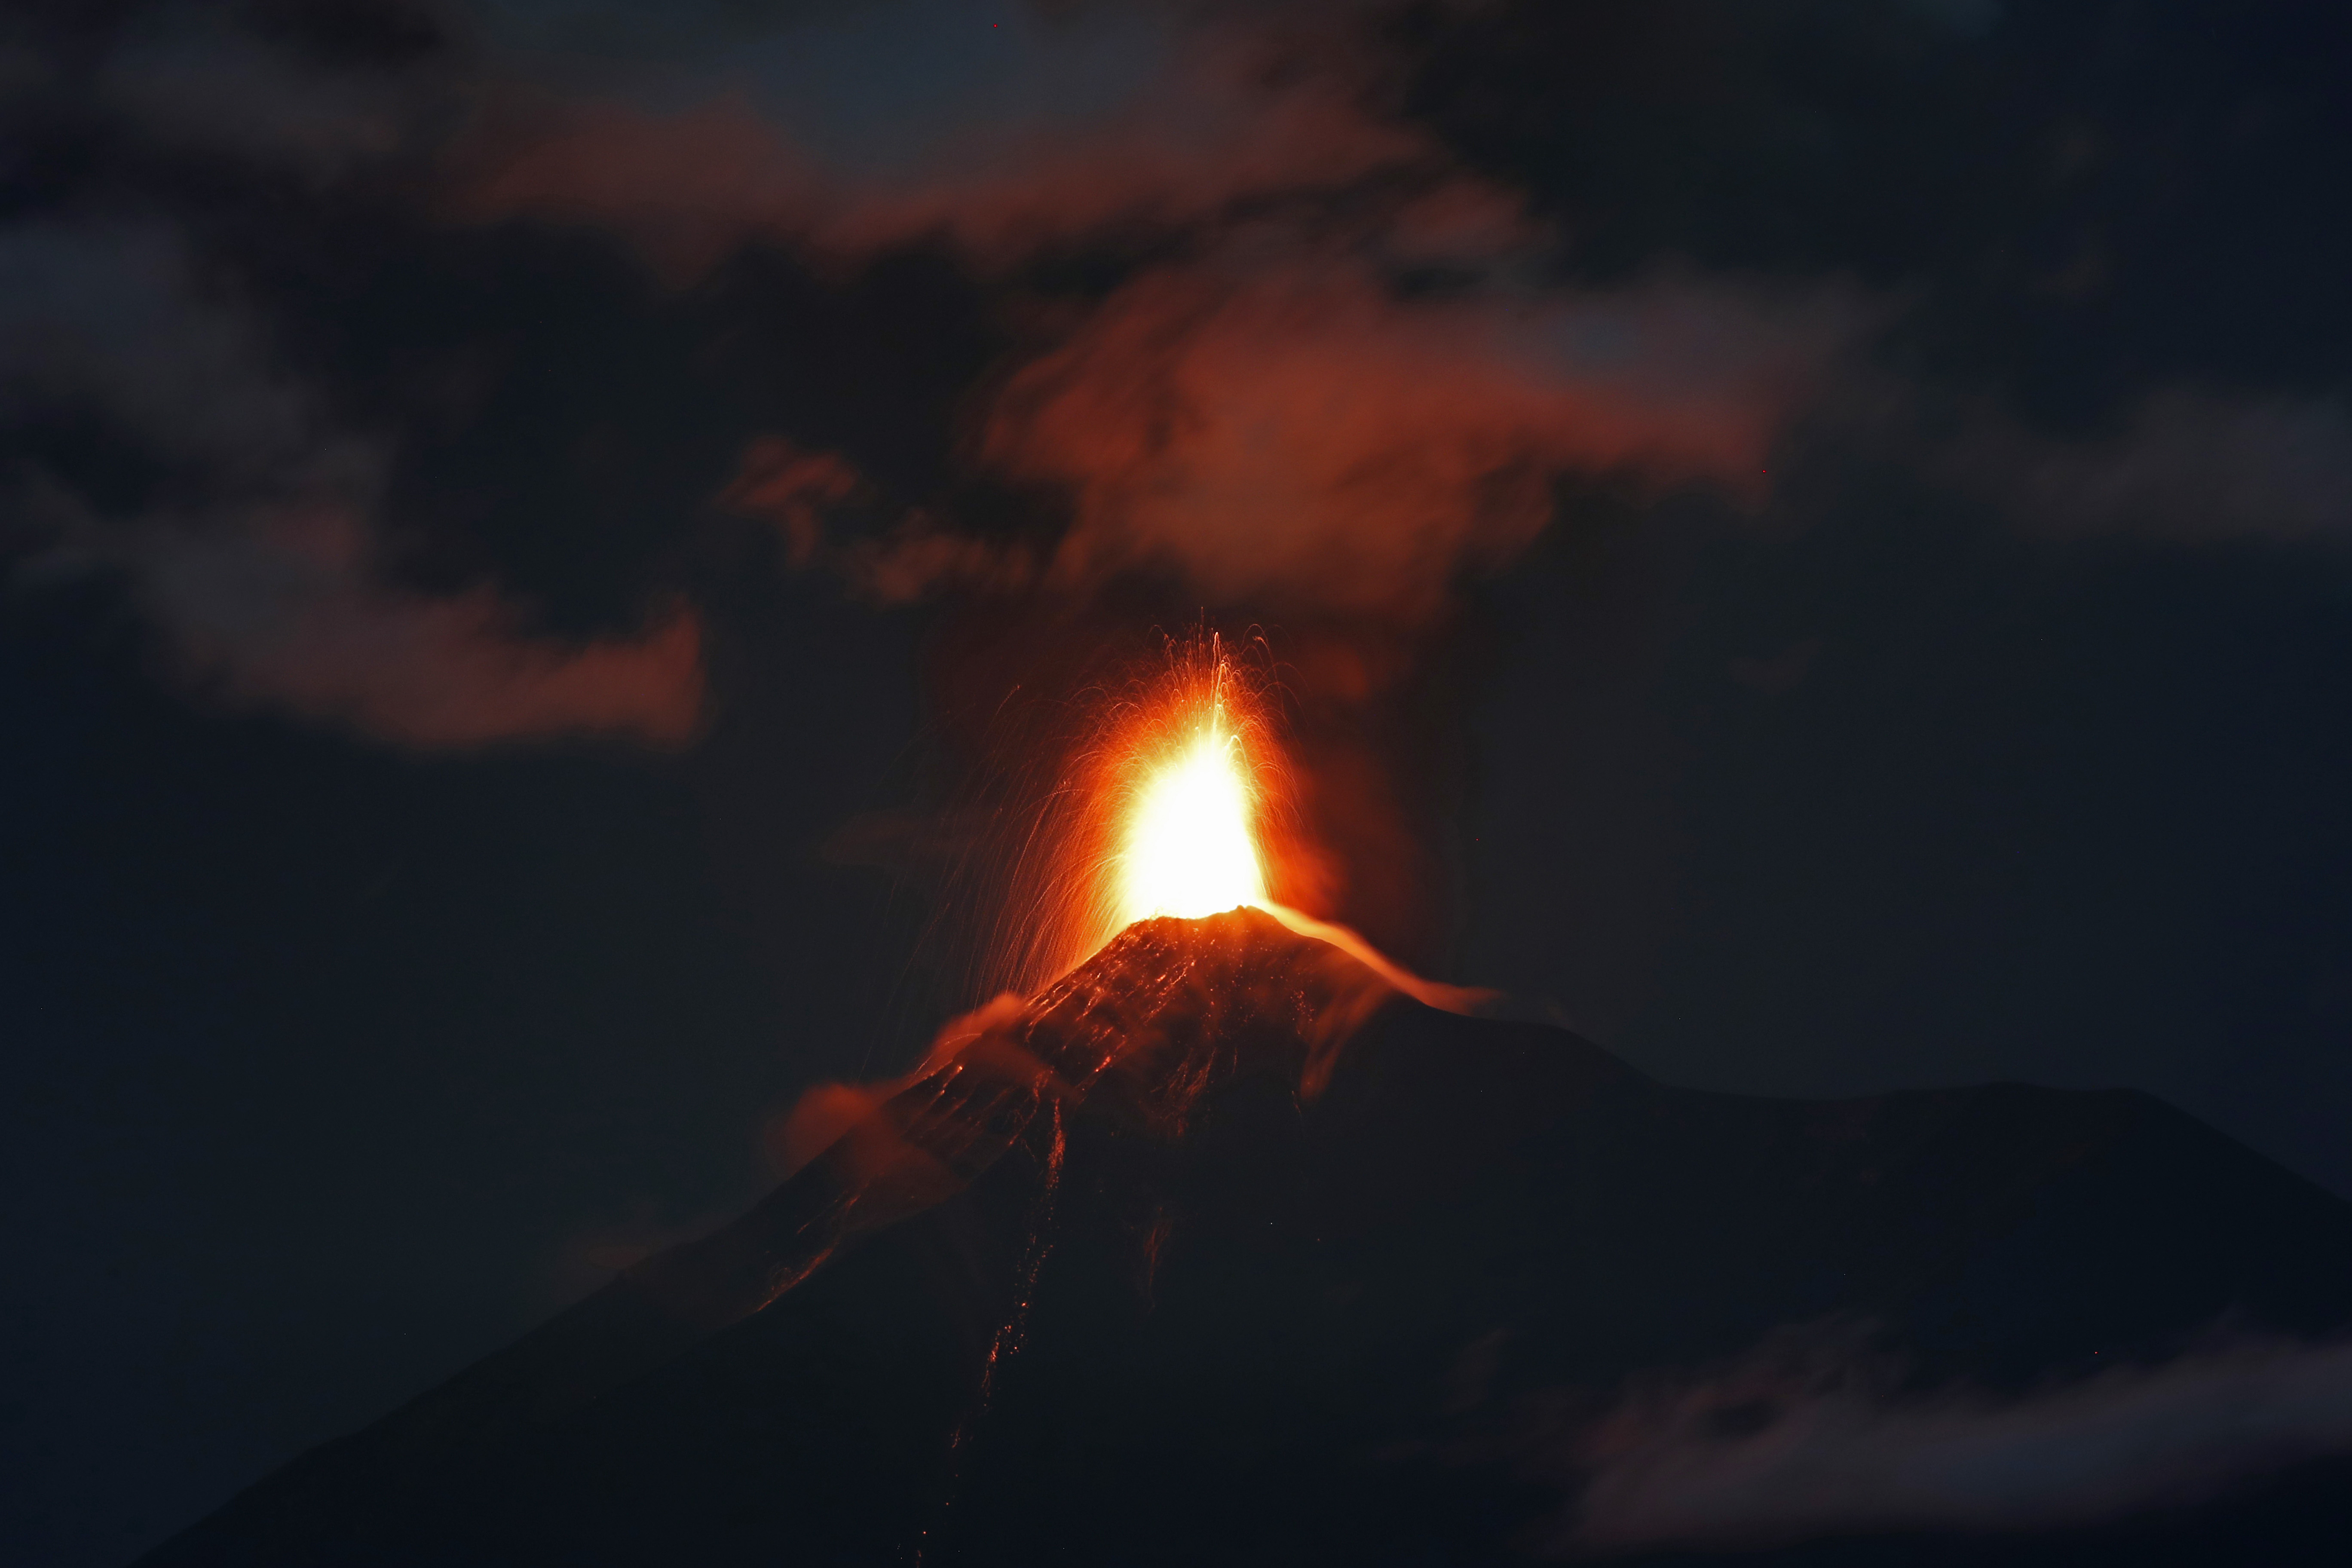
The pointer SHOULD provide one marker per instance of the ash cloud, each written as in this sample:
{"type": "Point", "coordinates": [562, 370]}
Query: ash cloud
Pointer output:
{"type": "Point", "coordinates": [1795, 1444]}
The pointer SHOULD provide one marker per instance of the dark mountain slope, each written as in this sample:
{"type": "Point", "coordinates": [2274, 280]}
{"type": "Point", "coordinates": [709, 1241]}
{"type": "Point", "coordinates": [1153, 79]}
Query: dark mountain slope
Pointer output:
{"type": "Point", "coordinates": [1222, 1251]}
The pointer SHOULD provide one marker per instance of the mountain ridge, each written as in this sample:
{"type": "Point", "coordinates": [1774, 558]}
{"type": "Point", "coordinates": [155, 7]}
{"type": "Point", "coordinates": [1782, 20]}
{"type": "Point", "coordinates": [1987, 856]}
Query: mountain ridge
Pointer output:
{"type": "Point", "coordinates": [1224, 1210]}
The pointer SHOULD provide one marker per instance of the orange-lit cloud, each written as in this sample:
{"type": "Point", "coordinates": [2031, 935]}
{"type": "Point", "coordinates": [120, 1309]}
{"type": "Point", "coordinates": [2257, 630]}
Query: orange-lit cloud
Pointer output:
{"type": "Point", "coordinates": [1295, 431]}
{"type": "Point", "coordinates": [791, 486]}
{"type": "Point", "coordinates": [1284, 406]}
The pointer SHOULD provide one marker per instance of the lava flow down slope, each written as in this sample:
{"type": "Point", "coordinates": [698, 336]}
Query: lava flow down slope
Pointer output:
{"type": "Point", "coordinates": [1223, 1249]}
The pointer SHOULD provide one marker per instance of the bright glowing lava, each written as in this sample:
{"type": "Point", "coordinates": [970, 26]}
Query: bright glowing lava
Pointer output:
{"type": "Point", "coordinates": [1189, 843]}
{"type": "Point", "coordinates": [1181, 806]}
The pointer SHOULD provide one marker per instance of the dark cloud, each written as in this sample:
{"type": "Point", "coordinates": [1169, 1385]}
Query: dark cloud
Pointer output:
{"type": "Point", "coordinates": [198, 83]}
{"type": "Point", "coordinates": [2189, 465]}
{"type": "Point", "coordinates": [133, 345]}
{"type": "Point", "coordinates": [260, 563]}
{"type": "Point", "coordinates": [107, 316]}
{"type": "Point", "coordinates": [2075, 203]}
{"type": "Point", "coordinates": [1797, 1443]}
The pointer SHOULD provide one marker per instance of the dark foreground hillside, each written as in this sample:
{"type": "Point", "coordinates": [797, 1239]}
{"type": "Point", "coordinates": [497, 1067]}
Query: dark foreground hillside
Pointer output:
{"type": "Point", "coordinates": [1223, 1252]}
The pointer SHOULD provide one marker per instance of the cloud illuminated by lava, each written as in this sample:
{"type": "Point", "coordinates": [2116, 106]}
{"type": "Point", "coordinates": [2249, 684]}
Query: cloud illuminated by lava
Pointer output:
{"type": "Point", "coordinates": [1280, 407]}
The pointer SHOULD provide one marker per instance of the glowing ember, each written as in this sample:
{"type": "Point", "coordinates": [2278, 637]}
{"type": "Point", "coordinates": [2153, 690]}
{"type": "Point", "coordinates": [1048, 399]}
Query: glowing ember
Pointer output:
{"type": "Point", "coordinates": [1189, 846]}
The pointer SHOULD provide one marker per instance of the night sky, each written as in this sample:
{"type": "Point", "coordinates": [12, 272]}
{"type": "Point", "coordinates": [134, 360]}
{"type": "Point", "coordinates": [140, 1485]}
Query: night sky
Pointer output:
{"type": "Point", "coordinates": [550, 546]}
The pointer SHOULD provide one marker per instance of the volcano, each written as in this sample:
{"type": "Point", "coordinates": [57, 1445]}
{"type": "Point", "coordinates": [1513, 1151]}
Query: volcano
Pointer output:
{"type": "Point", "coordinates": [1224, 1251]}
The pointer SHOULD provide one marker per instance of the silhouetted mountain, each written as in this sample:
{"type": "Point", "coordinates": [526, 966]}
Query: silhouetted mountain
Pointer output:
{"type": "Point", "coordinates": [1222, 1251]}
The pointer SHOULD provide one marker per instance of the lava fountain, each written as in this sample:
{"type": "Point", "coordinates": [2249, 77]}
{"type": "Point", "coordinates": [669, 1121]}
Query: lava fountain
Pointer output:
{"type": "Point", "coordinates": [1188, 836]}
{"type": "Point", "coordinates": [1162, 808]}
{"type": "Point", "coordinates": [1178, 797]}
{"type": "Point", "coordinates": [1173, 814]}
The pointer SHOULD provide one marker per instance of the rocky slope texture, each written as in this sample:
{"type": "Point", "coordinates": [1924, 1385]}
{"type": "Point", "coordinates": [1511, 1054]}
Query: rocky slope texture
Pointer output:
{"type": "Point", "coordinates": [1222, 1251]}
